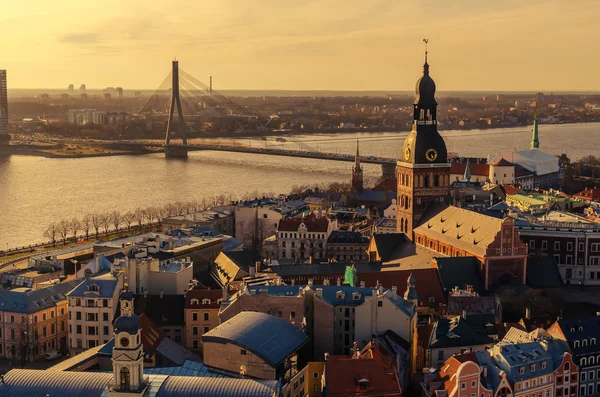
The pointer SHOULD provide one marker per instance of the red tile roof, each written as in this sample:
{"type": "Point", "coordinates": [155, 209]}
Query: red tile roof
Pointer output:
{"type": "Point", "coordinates": [342, 376]}
{"type": "Point", "coordinates": [588, 195]}
{"type": "Point", "coordinates": [508, 189]}
{"type": "Point", "coordinates": [502, 162]}
{"type": "Point", "coordinates": [428, 282]}
{"type": "Point", "coordinates": [151, 335]}
{"type": "Point", "coordinates": [448, 370]}
{"type": "Point", "coordinates": [475, 169]}
{"type": "Point", "coordinates": [312, 223]}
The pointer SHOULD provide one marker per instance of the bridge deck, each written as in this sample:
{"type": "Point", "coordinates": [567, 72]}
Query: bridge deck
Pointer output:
{"type": "Point", "coordinates": [275, 152]}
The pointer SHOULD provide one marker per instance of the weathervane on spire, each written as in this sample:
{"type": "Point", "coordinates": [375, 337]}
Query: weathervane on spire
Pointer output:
{"type": "Point", "coordinates": [425, 41]}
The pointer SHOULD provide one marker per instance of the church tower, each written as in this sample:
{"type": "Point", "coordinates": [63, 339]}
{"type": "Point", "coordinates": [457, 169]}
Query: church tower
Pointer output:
{"type": "Point", "coordinates": [128, 354]}
{"type": "Point", "coordinates": [357, 172]}
{"type": "Point", "coordinates": [423, 170]}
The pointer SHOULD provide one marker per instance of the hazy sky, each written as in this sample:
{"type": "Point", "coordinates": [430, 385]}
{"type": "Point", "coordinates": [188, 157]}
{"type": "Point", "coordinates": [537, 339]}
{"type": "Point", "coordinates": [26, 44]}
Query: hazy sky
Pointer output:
{"type": "Point", "coordinates": [303, 44]}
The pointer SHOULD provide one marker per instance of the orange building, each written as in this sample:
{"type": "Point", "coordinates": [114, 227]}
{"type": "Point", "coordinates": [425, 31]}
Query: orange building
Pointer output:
{"type": "Point", "coordinates": [33, 323]}
{"type": "Point", "coordinates": [201, 314]}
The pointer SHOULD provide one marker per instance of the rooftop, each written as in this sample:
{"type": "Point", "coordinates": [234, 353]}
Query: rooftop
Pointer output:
{"type": "Point", "coordinates": [32, 301]}
{"type": "Point", "coordinates": [106, 283]}
{"type": "Point", "coordinates": [268, 337]}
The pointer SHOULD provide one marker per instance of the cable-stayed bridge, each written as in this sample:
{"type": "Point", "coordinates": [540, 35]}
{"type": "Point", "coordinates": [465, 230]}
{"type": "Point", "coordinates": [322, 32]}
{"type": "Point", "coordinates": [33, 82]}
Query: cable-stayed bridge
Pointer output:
{"type": "Point", "coordinates": [183, 94]}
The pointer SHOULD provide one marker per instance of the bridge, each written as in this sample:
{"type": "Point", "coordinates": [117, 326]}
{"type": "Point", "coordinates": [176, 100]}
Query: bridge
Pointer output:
{"type": "Point", "coordinates": [194, 92]}
{"type": "Point", "coordinates": [388, 165]}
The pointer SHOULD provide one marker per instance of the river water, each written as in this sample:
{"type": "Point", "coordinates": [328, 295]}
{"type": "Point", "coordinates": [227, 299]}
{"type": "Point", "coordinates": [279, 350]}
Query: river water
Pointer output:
{"type": "Point", "coordinates": [36, 191]}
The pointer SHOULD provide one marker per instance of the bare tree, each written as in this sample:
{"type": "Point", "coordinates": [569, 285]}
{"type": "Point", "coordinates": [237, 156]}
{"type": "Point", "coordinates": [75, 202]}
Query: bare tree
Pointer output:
{"type": "Point", "coordinates": [63, 228]}
{"type": "Point", "coordinates": [74, 226]}
{"type": "Point", "coordinates": [28, 342]}
{"type": "Point", "coordinates": [150, 214]}
{"type": "Point", "coordinates": [86, 224]}
{"type": "Point", "coordinates": [115, 219]}
{"type": "Point", "coordinates": [96, 222]}
{"type": "Point", "coordinates": [128, 218]}
{"type": "Point", "coordinates": [139, 217]}
{"type": "Point", "coordinates": [195, 206]}
{"type": "Point", "coordinates": [105, 222]}
{"type": "Point", "coordinates": [51, 232]}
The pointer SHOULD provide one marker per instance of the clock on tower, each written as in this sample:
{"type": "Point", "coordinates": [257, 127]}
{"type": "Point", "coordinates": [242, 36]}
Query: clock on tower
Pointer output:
{"type": "Point", "coordinates": [423, 170]}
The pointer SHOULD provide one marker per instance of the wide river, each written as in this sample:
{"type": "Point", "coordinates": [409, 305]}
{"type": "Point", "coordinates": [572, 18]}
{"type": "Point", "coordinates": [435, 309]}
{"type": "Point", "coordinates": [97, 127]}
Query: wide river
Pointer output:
{"type": "Point", "coordinates": [35, 191]}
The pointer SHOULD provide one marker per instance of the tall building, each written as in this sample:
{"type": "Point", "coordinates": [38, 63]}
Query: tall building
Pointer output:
{"type": "Point", "coordinates": [4, 131]}
{"type": "Point", "coordinates": [423, 171]}
{"type": "Point", "coordinates": [357, 172]}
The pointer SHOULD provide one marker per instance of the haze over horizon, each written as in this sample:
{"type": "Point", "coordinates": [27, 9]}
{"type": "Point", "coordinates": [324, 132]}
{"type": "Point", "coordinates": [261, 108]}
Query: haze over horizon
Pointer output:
{"type": "Point", "coordinates": [353, 45]}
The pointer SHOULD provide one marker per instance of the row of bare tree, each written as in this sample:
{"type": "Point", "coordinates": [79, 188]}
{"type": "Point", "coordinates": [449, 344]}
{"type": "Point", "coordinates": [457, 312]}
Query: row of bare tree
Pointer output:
{"type": "Point", "coordinates": [112, 222]}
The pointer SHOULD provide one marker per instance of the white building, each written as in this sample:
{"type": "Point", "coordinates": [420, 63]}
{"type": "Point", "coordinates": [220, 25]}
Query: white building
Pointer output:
{"type": "Point", "coordinates": [92, 307]}
{"type": "Point", "coordinates": [502, 172]}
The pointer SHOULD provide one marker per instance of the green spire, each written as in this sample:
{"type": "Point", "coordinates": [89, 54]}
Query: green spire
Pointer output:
{"type": "Point", "coordinates": [535, 142]}
{"type": "Point", "coordinates": [351, 276]}
{"type": "Point", "coordinates": [467, 172]}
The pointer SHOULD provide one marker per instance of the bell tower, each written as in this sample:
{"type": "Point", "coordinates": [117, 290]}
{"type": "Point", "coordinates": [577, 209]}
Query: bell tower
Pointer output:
{"type": "Point", "coordinates": [128, 354]}
{"type": "Point", "coordinates": [423, 170]}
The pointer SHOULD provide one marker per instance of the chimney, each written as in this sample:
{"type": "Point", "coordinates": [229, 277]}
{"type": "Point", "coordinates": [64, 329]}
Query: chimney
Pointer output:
{"type": "Point", "coordinates": [170, 242]}
{"type": "Point", "coordinates": [528, 313]}
{"type": "Point", "coordinates": [326, 282]}
{"type": "Point", "coordinates": [252, 270]}
{"type": "Point", "coordinates": [464, 315]}
{"type": "Point", "coordinates": [161, 293]}
{"type": "Point", "coordinates": [258, 266]}
{"type": "Point", "coordinates": [362, 284]}
{"type": "Point", "coordinates": [224, 292]}
{"type": "Point", "coordinates": [319, 292]}
{"type": "Point", "coordinates": [339, 282]}
{"type": "Point", "coordinates": [394, 289]}
{"type": "Point", "coordinates": [310, 282]}
{"type": "Point", "coordinates": [210, 91]}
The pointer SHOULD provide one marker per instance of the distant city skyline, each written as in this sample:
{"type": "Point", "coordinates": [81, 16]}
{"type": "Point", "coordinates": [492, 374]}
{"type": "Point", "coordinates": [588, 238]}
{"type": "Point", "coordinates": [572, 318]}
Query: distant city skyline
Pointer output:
{"type": "Point", "coordinates": [354, 45]}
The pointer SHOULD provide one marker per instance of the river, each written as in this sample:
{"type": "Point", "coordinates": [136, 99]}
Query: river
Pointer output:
{"type": "Point", "coordinates": [35, 191]}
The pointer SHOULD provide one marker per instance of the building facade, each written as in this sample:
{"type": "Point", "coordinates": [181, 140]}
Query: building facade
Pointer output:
{"type": "Point", "coordinates": [4, 131]}
{"type": "Point", "coordinates": [92, 308]}
{"type": "Point", "coordinates": [201, 315]}
{"type": "Point", "coordinates": [303, 238]}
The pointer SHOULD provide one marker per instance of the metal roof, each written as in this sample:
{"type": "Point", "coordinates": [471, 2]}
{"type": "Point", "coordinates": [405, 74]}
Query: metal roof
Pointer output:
{"type": "Point", "coordinates": [266, 336]}
{"type": "Point", "coordinates": [184, 386]}
{"type": "Point", "coordinates": [36, 383]}
{"type": "Point", "coordinates": [106, 283]}
{"type": "Point", "coordinates": [36, 300]}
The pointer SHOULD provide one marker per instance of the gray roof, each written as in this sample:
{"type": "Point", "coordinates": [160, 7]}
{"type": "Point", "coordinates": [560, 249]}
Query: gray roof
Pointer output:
{"type": "Point", "coordinates": [460, 271]}
{"type": "Point", "coordinates": [106, 283]}
{"type": "Point", "coordinates": [37, 383]}
{"type": "Point", "coordinates": [266, 336]}
{"type": "Point", "coordinates": [36, 300]}
{"type": "Point", "coordinates": [187, 386]}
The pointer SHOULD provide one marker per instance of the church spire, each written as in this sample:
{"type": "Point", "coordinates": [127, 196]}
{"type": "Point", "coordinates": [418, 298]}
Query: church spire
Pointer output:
{"type": "Point", "coordinates": [357, 157]}
{"type": "Point", "coordinates": [426, 65]}
{"type": "Point", "coordinates": [468, 172]}
{"type": "Point", "coordinates": [535, 142]}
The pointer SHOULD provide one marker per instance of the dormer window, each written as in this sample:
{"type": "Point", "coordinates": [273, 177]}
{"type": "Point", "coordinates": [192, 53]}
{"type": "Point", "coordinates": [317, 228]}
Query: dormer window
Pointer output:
{"type": "Point", "coordinates": [580, 328]}
{"type": "Point", "coordinates": [340, 294]}
{"type": "Point", "coordinates": [356, 296]}
{"type": "Point", "coordinates": [533, 368]}
{"type": "Point", "coordinates": [593, 341]}
{"type": "Point", "coordinates": [576, 343]}
{"type": "Point", "coordinates": [195, 302]}
{"type": "Point", "coordinates": [544, 365]}
{"type": "Point", "coordinates": [93, 287]}
{"type": "Point", "coordinates": [363, 384]}
{"type": "Point", "coordinates": [206, 301]}
{"type": "Point", "coordinates": [521, 370]}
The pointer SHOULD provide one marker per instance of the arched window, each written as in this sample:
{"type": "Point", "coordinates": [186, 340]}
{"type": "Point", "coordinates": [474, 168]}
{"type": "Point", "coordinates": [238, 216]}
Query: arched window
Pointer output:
{"type": "Point", "coordinates": [426, 181]}
{"type": "Point", "coordinates": [567, 366]}
{"type": "Point", "coordinates": [407, 203]}
{"type": "Point", "coordinates": [576, 343]}
{"type": "Point", "coordinates": [125, 381]}
{"type": "Point", "coordinates": [591, 360]}
{"type": "Point", "coordinates": [583, 361]}
{"type": "Point", "coordinates": [437, 181]}
{"type": "Point", "coordinates": [584, 342]}
{"type": "Point", "coordinates": [593, 341]}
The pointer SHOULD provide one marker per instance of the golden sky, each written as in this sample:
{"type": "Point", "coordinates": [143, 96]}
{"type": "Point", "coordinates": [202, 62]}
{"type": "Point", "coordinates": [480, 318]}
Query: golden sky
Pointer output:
{"type": "Point", "coordinates": [503, 45]}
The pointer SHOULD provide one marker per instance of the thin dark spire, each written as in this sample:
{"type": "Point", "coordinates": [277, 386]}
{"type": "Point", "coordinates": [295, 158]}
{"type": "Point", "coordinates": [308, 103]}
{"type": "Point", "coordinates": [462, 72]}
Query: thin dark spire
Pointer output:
{"type": "Point", "coordinates": [426, 65]}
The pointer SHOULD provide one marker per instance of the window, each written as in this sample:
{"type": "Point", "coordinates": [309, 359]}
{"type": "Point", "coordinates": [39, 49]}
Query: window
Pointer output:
{"type": "Point", "coordinates": [78, 329]}
{"type": "Point", "coordinates": [533, 368]}
{"type": "Point", "coordinates": [206, 316]}
{"type": "Point", "coordinates": [583, 376]}
{"type": "Point", "coordinates": [104, 302]}
{"type": "Point", "coordinates": [544, 365]}
{"type": "Point", "coordinates": [544, 245]}
{"type": "Point", "coordinates": [206, 329]}
{"type": "Point", "coordinates": [243, 352]}
{"type": "Point", "coordinates": [379, 303]}
{"type": "Point", "coordinates": [77, 315]}
{"type": "Point", "coordinates": [194, 330]}
{"type": "Point", "coordinates": [556, 245]}
{"type": "Point", "coordinates": [473, 384]}
{"type": "Point", "coordinates": [582, 391]}
{"type": "Point", "coordinates": [567, 367]}
{"type": "Point", "coordinates": [569, 246]}
{"type": "Point", "coordinates": [194, 316]}
{"type": "Point", "coordinates": [463, 386]}
{"type": "Point", "coordinates": [521, 370]}
{"type": "Point", "coordinates": [441, 355]}
{"type": "Point", "coordinates": [315, 375]}
{"type": "Point", "coordinates": [104, 316]}
{"type": "Point", "coordinates": [195, 343]}
{"type": "Point", "coordinates": [105, 330]}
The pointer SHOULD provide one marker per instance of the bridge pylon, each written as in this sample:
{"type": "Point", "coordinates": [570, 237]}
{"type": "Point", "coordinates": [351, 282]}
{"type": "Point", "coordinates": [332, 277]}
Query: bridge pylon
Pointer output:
{"type": "Point", "coordinates": [172, 150]}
